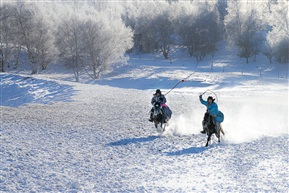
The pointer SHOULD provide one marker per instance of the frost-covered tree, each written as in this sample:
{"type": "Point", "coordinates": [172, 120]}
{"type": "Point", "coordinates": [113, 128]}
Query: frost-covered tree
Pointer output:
{"type": "Point", "coordinates": [163, 31]}
{"type": "Point", "coordinates": [281, 51]}
{"type": "Point", "coordinates": [161, 25]}
{"type": "Point", "coordinates": [91, 40]}
{"type": "Point", "coordinates": [278, 37]}
{"type": "Point", "coordinates": [70, 44]}
{"type": "Point", "coordinates": [244, 28]}
{"type": "Point", "coordinates": [129, 16]}
{"type": "Point", "coordinates": [155, 27]}
{"type": "Point", "coordinates": [6, 35]}
{"type": "Point", "coordinates": [130, 13]}
{"type": "Point", "coordinates": [107, 40]}
{"type": "Point", "coordinates": [199, 30]}
{"type": "Point", "coordinates": [268, 51]}
{"type": "Point", "coordinates": [32, 34]}
{"type": "Point", "coordinates": [144, 35]}
{"type": "Point", "coordinates": [222, 8]}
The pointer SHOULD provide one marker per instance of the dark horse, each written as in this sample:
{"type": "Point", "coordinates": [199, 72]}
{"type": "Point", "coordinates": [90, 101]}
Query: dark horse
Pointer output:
{"type": "Point", "coordinates": [209, 127]}
{"type": "Point", "coordinates": [159, 117]}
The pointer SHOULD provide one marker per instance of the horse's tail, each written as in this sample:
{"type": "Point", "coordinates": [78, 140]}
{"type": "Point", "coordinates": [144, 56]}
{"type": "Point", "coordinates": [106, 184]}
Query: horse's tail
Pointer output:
{"type": "Point", "coordinates": [221, 129]}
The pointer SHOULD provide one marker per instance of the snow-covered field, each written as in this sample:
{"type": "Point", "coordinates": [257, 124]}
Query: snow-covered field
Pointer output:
{"type": "Point", "coordinates": [61, 136]}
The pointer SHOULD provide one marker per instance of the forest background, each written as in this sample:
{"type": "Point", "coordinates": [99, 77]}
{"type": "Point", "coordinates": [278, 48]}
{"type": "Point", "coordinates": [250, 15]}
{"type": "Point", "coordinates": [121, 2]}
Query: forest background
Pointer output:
{"type": "Point", "coordinates": [90, 36]}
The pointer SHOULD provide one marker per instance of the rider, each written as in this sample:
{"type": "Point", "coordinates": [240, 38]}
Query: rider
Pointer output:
{"type": "Point", "coordinates": [157, 97]}
{"type": "Point", "coordinates": [212, 108]}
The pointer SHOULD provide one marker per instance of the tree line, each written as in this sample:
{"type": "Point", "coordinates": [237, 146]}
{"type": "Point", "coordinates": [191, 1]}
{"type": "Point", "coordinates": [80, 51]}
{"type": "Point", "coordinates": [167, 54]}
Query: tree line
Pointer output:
{"type": "Point", "coordinates": [90, 36]}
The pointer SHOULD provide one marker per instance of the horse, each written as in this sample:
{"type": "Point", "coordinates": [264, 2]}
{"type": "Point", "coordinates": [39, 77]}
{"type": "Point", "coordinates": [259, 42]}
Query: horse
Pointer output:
{"type": "Point", "coordinates": [209, 126]}
{"type": "Point", "coordinates": [159, 118]}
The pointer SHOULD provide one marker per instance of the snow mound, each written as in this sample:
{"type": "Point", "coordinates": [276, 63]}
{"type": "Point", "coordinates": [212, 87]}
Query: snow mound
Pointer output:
{"type": "Point", "coordinates": [19, 90]}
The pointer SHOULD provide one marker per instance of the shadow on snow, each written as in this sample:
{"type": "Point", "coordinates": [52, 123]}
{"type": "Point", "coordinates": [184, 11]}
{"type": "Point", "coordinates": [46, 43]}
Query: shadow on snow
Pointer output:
{"type": "Point", "coordinates": [149, 83]}
{"type": "Point", "coordinates": [133, 140]}
{"type": "Point", "coordinates": [197, 150]}
{"type": "Point", "coordinates": [191, 150]}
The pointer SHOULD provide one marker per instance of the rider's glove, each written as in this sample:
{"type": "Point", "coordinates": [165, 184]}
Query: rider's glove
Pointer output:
{"type": "Point", "coordinates": [200, 96]}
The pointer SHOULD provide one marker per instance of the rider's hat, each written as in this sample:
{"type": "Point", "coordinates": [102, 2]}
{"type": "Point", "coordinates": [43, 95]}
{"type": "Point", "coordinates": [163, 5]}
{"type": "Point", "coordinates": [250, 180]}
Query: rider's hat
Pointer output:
{"type": "Point", "coordinates": [158, 91]}
{"type": "Point", "coordinates": [210, 97]}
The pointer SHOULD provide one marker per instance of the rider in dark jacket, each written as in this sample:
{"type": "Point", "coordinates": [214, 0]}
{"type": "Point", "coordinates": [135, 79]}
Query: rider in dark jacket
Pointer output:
{"type": "Point", "coordinates": [157, 97]}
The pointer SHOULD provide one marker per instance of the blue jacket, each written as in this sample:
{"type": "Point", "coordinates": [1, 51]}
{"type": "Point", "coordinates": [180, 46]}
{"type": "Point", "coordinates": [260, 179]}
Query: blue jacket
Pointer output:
{"type": "Point", "coordinates": [213, 110]}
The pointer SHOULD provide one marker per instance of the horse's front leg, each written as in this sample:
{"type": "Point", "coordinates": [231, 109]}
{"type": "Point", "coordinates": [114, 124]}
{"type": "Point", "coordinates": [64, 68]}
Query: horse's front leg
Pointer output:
{"type": "Point", "coordinates": [156, 124]}
{"type": "Point", "coordinates": [218, 136]}
{"type": "Point", "coordinates": [163, 124]}
{"type": "Point", "coordinates": [208, 139]}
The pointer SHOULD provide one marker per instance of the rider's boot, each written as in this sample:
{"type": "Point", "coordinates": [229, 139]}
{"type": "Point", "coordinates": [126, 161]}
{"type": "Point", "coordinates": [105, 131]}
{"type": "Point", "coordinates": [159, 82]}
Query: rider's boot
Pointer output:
{"type": "Point", "coordinates": [203, 131]}
{"type": "Point", "coordinates": [151, 117]}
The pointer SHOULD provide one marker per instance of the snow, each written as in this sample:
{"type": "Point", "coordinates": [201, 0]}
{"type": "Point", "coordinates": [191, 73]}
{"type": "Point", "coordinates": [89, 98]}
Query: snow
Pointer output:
{"type": "Point", "coordinates": [58, 135]}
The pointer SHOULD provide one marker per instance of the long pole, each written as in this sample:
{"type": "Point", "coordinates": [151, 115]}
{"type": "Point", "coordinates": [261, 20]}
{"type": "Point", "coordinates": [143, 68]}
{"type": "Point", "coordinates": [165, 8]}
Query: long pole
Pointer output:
{"type": "Point", "coordinates": [183, 80]}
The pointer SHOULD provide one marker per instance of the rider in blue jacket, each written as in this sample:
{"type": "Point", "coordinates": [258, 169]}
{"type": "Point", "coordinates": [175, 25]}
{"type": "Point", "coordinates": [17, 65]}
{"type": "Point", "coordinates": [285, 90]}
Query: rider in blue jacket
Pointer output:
{"type": "Point", "coordinates": [212, 108]}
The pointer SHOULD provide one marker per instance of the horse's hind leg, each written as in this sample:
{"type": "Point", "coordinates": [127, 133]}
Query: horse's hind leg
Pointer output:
{"type": "Point", "coordinates": [218, 132]}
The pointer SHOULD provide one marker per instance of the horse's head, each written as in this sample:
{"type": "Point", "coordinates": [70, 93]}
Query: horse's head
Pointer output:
{"type": "Point", "coordinates": [158, 116]}
{"type": "Point", "coordinates": [207, 117]}
{"type": "Point", "coordinates": [157, 109]}
{"type": "Point", "coordinates": [208, 121]}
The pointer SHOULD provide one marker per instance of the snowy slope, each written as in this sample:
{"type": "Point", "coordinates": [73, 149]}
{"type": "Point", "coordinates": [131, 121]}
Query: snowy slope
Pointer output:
{"type": "Point", "coordinates": [62, 136]}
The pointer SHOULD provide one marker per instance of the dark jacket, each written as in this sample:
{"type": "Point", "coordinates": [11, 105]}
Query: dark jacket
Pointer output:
{"type": "Point", "coordinates": [161, 99]}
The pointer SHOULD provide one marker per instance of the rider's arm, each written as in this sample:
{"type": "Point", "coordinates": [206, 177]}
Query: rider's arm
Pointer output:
{"type": "Point", "coordinates": [164, 100]}
{"type": "Point", "coordinates": [153, 100]}
{"type": "Point", "coordinates": [203, 101]}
